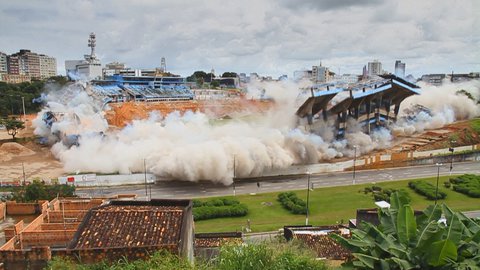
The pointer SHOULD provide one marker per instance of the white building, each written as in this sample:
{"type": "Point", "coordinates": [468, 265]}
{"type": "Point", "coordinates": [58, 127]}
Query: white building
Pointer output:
{"type": "Point", "coordinates": [399, 69]}
{"type": "Point", "coordinates": [48, 66]}
{"type": "Point", "coordinates": [90, 68]}
{"type": "Point", "coordinates": [375, 68]}
{"type": "Point", "coordinates": [347, 78]}
{"type": "Point", "coordinates": [3, 63]}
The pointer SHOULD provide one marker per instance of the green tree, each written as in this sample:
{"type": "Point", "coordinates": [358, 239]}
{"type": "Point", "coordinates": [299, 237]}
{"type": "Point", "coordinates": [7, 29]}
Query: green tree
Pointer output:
{"type": "Point", "coordinates": [214, 84]}
{"type": "Point", "coordinates": [13, 126]}
{"type": "Point", "coordinates": [229, 75]}
{"type": "Point", "coordinates": [403, 241]}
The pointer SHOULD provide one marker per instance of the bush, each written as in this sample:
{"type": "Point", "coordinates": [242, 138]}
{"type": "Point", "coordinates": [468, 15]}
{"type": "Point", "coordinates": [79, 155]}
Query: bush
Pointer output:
{"type": "Point", "coordinates": [380, 194]}
{"type": "Point", "coordinates": [38, 190]}
{"type": "Point", "coordinates": [215, 202]}
{"type": "Point", "coordinates": [427, 190]}
{"type": "Point", "coordinates": [447, 184]}
{"type": "Point", "coordinates": [468, 184]}
{"type": "Point", "coordinates": [209, 212]}
{"type": "Point", "coordinates": [292, 203]}
{"type": "Point", "coordinates": [275, 256]}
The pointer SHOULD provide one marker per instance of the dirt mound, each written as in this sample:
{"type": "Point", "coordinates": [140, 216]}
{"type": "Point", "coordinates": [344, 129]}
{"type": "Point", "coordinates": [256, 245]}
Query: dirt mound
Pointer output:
{"type": "Point", "coordinates": [123, 113]}
{"type": "Point", "coordinates": [15, 149]}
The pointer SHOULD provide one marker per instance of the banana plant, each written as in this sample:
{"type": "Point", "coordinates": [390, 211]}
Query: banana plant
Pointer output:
{"type": "Point", "coordinates": [405, 241]}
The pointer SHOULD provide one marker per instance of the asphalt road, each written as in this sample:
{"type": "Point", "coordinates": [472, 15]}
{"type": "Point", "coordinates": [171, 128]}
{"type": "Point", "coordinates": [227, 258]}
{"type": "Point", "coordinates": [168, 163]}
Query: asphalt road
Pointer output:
{"type": "Point", "coordinates": [181, 189]}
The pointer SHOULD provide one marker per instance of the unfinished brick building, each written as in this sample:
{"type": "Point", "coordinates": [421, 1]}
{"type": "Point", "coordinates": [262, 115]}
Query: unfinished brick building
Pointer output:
{"type": "Point", "coordinates": [111, 230]}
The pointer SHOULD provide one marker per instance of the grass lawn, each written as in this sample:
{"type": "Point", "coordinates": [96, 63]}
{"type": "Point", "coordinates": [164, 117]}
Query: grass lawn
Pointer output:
{"type": "Point", "coordinates": [328, 206]}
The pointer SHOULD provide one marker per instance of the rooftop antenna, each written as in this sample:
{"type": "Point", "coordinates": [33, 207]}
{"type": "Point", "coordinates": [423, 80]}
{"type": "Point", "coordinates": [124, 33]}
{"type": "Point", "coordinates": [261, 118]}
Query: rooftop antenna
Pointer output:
{"type": "Point", "coordinates": [92, 44]}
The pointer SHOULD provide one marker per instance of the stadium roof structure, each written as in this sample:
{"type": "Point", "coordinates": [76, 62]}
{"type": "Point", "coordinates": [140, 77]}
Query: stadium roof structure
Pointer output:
{"type": "Point", "coordinates": [369, 102]}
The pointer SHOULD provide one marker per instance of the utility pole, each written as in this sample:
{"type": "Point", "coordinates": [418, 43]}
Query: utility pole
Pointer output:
{"type": "Point", "coordinates": [24, 178]}
{"type": "Point", "coordinates": [24, 115]}
{"type": "Point", "coordinates": [438, 176]}
{"type": "Point", "coordinates": [354, 161]}
{"type": "Point", "coordinates": [308, 196]}
{"type": "Point", "coordinates": [234, 175]}
{"type": "Point", "coordinates": [451, 149]}
{"type": "Point", "coordinates": [145, 174]}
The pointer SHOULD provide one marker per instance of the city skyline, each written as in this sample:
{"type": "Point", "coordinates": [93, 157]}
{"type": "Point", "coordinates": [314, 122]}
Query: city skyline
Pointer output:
{"type": "Point", "coordinates": [269, 37]}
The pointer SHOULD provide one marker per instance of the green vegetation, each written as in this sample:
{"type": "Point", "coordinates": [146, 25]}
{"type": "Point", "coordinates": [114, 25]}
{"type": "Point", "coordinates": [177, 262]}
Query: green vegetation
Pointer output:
{"type": "Point", "coordinates": [216, 208]}
{"type": "Point", "coordinates": [12, 125]}
{"type": "Point", "coordinates": [11, 95]}
{"type": "Point", "coordinates": [327, 206]}
{"type": "Point", "coordinates": [475, 124]}
{"type": "Point", "coordinates": [161, 260]}
{"type": "Point", "coordinates": [426, 189]}
{"type": "Point", "coordinates": [40, 191]}
{"type": "Point", "coordinates": [292, 203]}
{"type": "Point", "coordinates": [380, 194]}
{"type": "Point", "coordinates": [403, 241]}
{"type": "Point", "coordinates": [468, 184]}
{"type": "Point", "coordinates": [279, 255]}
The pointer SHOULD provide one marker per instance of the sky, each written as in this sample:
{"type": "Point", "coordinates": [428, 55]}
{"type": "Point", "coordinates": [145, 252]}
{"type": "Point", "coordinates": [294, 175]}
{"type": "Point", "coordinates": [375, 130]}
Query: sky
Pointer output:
{"type": "Point", "coordinates": [263, 36]}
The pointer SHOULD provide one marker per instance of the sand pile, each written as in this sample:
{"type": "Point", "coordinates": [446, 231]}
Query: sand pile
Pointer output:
{"type": "Point", "coordinates": [123, 113]}
{"type": "Point", "coordinates": [10, 149]}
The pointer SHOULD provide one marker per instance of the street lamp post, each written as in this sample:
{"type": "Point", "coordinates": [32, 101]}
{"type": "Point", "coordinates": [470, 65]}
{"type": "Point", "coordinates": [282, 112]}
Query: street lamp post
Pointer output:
{"type": "Point", "coordinates": [234, 175]}
{"type": "Point", "coordinates": [354, 161]}
{"type": "Point", "coordinates": [308, 196]}
{"type": "Point", "coordinates": [438, 176]}
{"type": "Point", "coordinates": [451, 149]}
{"type": "Point", "coordinates": [23, 104]}
{"type": "Point", "coordinates": [145, 175]}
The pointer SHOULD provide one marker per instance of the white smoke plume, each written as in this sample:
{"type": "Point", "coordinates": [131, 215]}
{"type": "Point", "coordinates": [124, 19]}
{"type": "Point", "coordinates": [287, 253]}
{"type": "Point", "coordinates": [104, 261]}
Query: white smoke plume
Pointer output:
{"type": "Point", "coordinates": [189, 147]}
{"type": "Point", "coordinates": [445, 104]}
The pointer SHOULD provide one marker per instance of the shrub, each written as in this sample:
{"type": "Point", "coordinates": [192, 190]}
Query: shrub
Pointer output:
{"type": "Point", "coordinates": [427, 190]}
{"type": "Point", "coordinates": [209, 212]}
{"type": "Point", "coordinates": [468, 184]}
{"type": "Point", "coordinates": [292, 203]}
{"type": "Point", "coordinates": [447, 184]}
{"type": "Point", "coordinates": [265, 256]}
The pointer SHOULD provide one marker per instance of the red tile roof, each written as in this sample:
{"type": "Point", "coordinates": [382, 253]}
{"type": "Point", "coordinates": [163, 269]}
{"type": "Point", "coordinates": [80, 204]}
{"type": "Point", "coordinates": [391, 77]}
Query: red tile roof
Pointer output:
{"type": "Point", "coordinates": [129, 226]}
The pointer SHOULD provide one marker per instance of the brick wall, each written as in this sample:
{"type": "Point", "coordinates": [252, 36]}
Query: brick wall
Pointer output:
{"type": "Point", "coordinates": [71, 215]}
{"type": "Point", "coordinates": [90, 256]}
{"type": "Point", "coordinates": [14, 208]}
{"type": "Point", "coordinates": [59, 226]}
{"type": "Point", "coordinates": [47, 238]}
{"type": "Point", "coordinates": [34, 259]}
{"type": "Point", "coordinates": [3, 209]}
{"type": "Point", "coordinates": [34, 224]}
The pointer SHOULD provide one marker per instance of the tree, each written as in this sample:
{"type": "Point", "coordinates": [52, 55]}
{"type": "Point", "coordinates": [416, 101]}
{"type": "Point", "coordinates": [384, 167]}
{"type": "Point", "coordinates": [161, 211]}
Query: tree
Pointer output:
{"type": "Point", "coordinates": [403, 241]}
{"type": "Point", "coordinates": [214, 84]}
{"type": "Point", "coordinates": [229, 75]}
{"type": "Point", "coordinates": [13, 126]}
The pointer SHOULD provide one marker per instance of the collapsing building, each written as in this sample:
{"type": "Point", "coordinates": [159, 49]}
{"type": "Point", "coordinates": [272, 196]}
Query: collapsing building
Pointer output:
{"type": "Point", "coordinates": [372, 103]}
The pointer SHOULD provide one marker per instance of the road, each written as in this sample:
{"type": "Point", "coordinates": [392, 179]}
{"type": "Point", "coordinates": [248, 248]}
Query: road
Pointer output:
{"type": "Point", "coordinates": [181, 189]}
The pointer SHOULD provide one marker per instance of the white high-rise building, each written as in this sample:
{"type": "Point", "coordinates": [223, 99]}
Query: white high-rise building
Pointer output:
{"type": "Point", "coordinates": [375, 68]}
{"type": "Point", "coordinates": [48, 66]}
{"type": "Point", "coordinates": [3, 63]}
{"type": "Point", "coordinates": [90, 68]}
{"type": "Point", "coordinates": [399, 69]}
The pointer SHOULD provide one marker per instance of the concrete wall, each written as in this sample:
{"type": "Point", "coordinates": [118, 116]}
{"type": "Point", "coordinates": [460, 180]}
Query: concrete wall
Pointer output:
{"type": "Point", "coordinates": [108, 180]}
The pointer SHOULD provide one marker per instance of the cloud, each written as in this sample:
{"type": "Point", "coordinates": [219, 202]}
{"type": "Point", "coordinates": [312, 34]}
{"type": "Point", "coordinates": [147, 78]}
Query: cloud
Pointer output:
{"type": "Point", "coordinates": [268, 37]}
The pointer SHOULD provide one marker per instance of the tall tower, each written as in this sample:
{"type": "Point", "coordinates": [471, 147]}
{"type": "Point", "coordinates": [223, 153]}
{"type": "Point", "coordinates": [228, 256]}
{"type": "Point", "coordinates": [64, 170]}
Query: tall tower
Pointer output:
{"type": "Point", "coordinates": [92, 44]}
{"type": "Point", "coordinates": [399, 69]}
{"type": "Point", "coordinates": [163, 65]}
